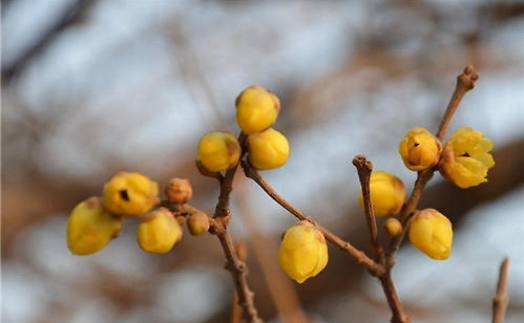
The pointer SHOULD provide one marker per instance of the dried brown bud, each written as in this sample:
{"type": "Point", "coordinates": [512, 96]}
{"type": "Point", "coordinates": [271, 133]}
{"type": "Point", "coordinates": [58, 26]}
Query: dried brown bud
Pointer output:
{"type": "Point", "coordinates": [198, 223]}
{"type": "Point", "coordinates": [179, 190]}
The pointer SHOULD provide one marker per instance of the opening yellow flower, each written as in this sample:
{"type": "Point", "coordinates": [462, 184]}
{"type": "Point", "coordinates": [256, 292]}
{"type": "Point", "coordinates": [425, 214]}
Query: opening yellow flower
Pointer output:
{"type": "Point", "coordinates": [90, 228]}
{"type": "Point", "coordinates": [303, 252]}
{"type": "Point", "coordinates": [159, 231]}
{"type": "Point", "coordinates": [431, 232]}
{"type": "Point", "coordinates": [257, 109]}
{"type": "Point", "coordinates": [466, 158]}
{"type": "Point", "coordinates": [387, 193]}
{"type": "Point", "coordinates": [128, 193]}
{"type": "Point", "coordinates": [218, 151]}
{"type": "Point", "coordinates": [419, 149]}
{"type": "Point", "coordinates": [268, 149]}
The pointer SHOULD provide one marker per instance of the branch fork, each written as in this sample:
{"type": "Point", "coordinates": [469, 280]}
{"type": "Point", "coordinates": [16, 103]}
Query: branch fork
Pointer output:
{"type": "Point", "coordinates": [381, 265]}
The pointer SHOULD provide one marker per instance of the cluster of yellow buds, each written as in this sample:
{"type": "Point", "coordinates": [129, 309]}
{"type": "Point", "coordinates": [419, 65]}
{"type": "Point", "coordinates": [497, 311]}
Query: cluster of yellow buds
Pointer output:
{"type": "Point", "coordinates": [256, 111]}
{"type": "Point", "coordinates": [94, 222]}
{"type": "Point", "coordinates": [464, 161]}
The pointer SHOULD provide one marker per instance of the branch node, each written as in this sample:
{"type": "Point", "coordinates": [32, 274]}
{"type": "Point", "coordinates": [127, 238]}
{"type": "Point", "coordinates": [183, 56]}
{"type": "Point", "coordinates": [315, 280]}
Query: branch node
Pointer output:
{"type": "Point", "coordinates": [468, 77]}
{"type": "Point", "coordinates": [362, 163]}
{"type": "Point", "coordinates": [364, 168]}
{"type": "Point", "coordinates": [501, 299]}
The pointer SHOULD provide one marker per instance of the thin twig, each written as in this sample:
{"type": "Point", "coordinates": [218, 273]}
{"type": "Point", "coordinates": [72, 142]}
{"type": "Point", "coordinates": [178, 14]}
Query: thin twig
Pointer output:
{"type": "Point", "coordinates": [239, 272]}
{"type": "Point", "coordinates": [501, 299]}
{"type": "Point", "coordinates": [236, 309]}
{"type": "Point", "coordinates": [372, 266]}
{"type": "Point", "coordinates": [222, 215]}
{"type": "Point", "coordinates": [235, 261]}
{"type": "Point", "coordinates": [382, 268]}
{"type": "Point", "coordinates": [364, 169]}
{"type": "Point", "coordinates": [399, 315]}
{"type": "Point", "coordinates": [465, 82]}
{"type": "Point", "coordinates": [282, 292]}
{"type": "Point", "coordinates": [237, 267]}
{"type": "Point", "coordinates": [281, 289]}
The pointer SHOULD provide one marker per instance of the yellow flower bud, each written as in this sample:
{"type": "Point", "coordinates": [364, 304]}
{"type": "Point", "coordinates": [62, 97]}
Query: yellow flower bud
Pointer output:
{"type": "Point", "coordinates": [267, 149]}
{"type": "Point", "coordinates": [130, 194]}
{"type": "Point", "coordinates": [466, 158]}
{"type": "Point", "coordinates": [431, 233]}
{"type": "Point", "coordinates": [257, 109]}
{"type": "Point", "coordinates": [159, 231]}
{"type": "Point", "coordinates": [419, 149]}
{"type": "Point", "coordinates": [198, 223]}
{"type": "Point", "coordinates": [303, 252]}
{"type": "Point", "coordinates": [218, 151]}
{"type": "Point", "coordinates": [90, 228]}
{"type": "Point", "coordinates": [387, 193]}
{"type": "Point", "coordinates": [179, 190]}
{"type": "Point", "coordinates": [393, 227]}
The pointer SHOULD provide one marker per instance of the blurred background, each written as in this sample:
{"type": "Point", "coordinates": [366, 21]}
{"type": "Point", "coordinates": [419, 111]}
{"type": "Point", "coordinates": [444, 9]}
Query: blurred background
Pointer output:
{"type": "Point", "coordinates": [93, 87]}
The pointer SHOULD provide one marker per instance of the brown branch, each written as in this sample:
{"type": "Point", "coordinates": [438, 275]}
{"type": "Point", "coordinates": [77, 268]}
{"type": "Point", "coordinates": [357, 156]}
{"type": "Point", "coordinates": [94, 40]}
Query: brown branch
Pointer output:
{"type": "Point", "coordinates": [281, 289]}
{"type": "Point", "coordinates": [239, 272]}
{"type": "Point", "coordinates": [236, 309]}
{"type": "Point", "coordinates": [399, 315]}
{"type": "Point", "coordinates": [219, 222]}
{"type": "Point", "coordinates": [282, 292]}
{"type": "Point", "coordinates": [373, 267]}
{"type": "Point", "coordinates": [219, 227]}
{"type": "Point", "coordinates": [364, 169]}
{"type": "Point", "coordinates": [382, 270]}
{"type": "Point", "coordinates": [465, 82]}
{"type": "Point", "coordinates": [501, 299]}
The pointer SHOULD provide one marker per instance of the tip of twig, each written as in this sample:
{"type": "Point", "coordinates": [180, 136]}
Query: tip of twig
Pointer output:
{"type": "Point", "coordinates": [502, 284]}
{"type": "Point", "coordinates": [468, 77]}
{"type": "Point", "coordinates": [504, 265]}
{"type": "Point", "coordinates": [361, 162]}
{"type": "Point", "coordinates": [501, 299]}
